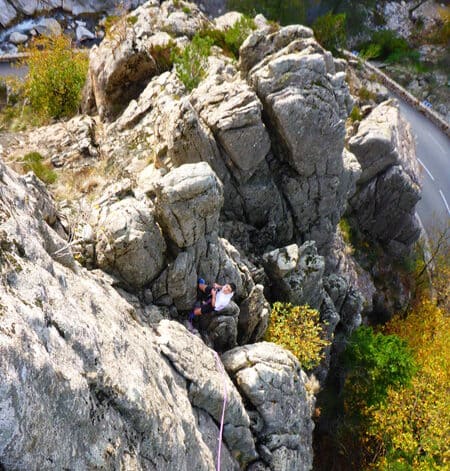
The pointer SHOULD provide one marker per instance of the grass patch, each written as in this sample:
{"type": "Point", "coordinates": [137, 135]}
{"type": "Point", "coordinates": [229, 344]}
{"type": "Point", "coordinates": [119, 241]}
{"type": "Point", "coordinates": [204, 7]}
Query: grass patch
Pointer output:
{"type": "Point", "coordinates": [35, 162]}
{"type": "Point", "coordinates": [355, 115]}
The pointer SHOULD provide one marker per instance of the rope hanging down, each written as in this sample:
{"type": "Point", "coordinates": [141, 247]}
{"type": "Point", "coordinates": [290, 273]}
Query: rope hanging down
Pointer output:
{"type": "Point", "coordinates": [219, 449]}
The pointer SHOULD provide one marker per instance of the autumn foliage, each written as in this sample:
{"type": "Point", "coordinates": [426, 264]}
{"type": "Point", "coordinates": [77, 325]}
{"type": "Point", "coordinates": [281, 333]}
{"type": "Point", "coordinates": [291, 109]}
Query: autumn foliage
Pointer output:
{"type": "Point", "coordinates": [297, 328]}
{"type": "Point", "coordinates": [56, 75]}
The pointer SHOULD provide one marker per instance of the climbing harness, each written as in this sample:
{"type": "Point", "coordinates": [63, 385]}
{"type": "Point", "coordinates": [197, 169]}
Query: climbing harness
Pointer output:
{"type": "Point", "coordinates": [225, 398]}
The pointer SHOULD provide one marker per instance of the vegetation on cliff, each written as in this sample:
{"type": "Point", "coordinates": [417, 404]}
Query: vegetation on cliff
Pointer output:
{"type": "Point", "coordinates": [297, 328]}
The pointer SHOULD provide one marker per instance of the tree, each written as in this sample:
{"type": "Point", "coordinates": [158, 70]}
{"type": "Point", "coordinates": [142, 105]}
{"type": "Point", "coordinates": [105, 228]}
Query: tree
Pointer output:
{"type": "Point", "coordinates": [330, 31]}
{"type": "Point", "coordinates": [56, 76]}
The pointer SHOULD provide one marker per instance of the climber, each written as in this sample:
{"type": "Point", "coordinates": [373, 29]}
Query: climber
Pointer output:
{"type": "Point", "coordinates": [214, 298]}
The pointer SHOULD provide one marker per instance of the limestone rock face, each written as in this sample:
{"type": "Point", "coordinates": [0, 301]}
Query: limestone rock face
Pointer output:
{"type": "Point", "coordinates": [96, 386]}
{"type": "Point", "coordinates": [72, 144]}
{"type": "Point", "coordinates": [388, 190]}
{"type": "Point", "coordinates": [137, 50]}
{"type": "Point", "coordinates": [254, 316]}
{"type": "Point", "coordinates": [297, 83]}
{"type": "Point", "coordinates": [233, 113]}
{"type": "Point", "coordinates": [271, 381]}
{"type": "Point", "coordinates": [296, 273]}
{"type": "Point", "coordinates": [188, 201]}
{"type": "Point", "coordinates": [130, 242]}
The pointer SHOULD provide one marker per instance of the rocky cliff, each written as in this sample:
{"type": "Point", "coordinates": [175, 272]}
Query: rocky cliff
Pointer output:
{"type": "Point", "coordinates": [242, 179]}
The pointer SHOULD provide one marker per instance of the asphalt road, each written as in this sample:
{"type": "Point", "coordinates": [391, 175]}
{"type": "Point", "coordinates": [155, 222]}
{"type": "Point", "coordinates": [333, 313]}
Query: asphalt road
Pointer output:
{"type": "Point", "coordinates": [433, 152]}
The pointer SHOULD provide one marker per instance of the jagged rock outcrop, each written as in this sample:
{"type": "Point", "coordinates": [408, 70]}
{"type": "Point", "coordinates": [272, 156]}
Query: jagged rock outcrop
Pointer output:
{"type": "Point", "coordinates": [96, 385]}
{"type": "Point", "coordinates": [72, 144]}
{"type": "Point", "coordinates": [271, 380]}
{"type": "Point", "coordinates": [129, 241]}
{"type": "Point", "coordinates": [134, 52]}
{"type": "Point", "coordinates": [296, 274]}
{"type": "Point", "coordinates": [284, 186]}
{"type": "Point", "coordinates": [383, 205]}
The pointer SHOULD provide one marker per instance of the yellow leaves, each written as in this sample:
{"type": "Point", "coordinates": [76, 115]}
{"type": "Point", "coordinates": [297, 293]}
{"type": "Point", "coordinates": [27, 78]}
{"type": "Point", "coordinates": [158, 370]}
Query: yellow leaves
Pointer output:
{"type": "Point", "coordinates": [297, 328]}
{"type": "Point", "coordinates": [414, 422]}
{"type": "Point", "coordinates": [56, 75]}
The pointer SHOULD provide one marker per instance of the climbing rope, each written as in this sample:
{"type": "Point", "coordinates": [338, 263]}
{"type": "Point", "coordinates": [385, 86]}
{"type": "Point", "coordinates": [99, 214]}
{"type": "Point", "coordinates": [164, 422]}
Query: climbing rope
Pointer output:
{"type": "Point", "coordinates": [220, 367]}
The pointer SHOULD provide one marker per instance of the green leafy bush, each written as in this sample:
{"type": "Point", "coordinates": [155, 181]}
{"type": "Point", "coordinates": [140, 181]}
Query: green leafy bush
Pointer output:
{"type": "Point", "coordinates": [191, 63]}
{"type": "Point", "coordinates": [237, 34]}
{"type": "Point", "coordinates": [386, 45]}
{"type": "Point", "coordinates": [297, 329]}
{"type": "Point", "coordinates": [330, 31]}
{"type": "Point", "coordinates": [231, 39]}
{"type": "Point", "coordinates": [56, 75]}
{"type": "Point", "coordinates": [375, 363]}
{"type": "Point", "coordinates": [35, 162]}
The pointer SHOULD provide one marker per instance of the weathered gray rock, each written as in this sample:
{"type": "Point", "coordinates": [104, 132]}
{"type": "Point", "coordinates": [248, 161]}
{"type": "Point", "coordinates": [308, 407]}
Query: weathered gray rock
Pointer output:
{"type": "Point", "coordinates": [98, 386]}
{"type": "Point", "coordinates": [296, 274]}
{"type": "Point", "coordinates": [122, 66]}
{"type": "Point", "coordinates": [297, 83]}
{"type": "Point", "coordinates": [18, 38]}
{"type": "Point", "coordinates": [7, 13]}
{"type": "Point", "coordinates": [385, 209]}
{"type": "Point", "coordinates": [383, 140]}
{"type": "Point", "coordinates": [129, 241]}
{"type": "Point", "coordinates": [188, 201]}
{"type": "Point", "coordinates": [48, 27]}
{"type": "Point", "coordinates": [259, 44]}
{"type": "Point", "coordinates": [232, 111]}
{"type": "Point", "coordinates": [388, 190]}
{"type": "Point", "coordinates": [253, 317]}
{"type": "Point", "coordinates": [272, 382]}
{"type": "Point", "coordinates": [72, 144]}
{"type": "Point", "coordinates": [83, 34]}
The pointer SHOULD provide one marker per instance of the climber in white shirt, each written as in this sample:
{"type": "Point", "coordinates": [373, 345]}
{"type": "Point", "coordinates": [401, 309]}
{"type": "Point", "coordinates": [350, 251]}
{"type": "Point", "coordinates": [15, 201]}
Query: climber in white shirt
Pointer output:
{"type": "Point", "coordinates": [216, 297]}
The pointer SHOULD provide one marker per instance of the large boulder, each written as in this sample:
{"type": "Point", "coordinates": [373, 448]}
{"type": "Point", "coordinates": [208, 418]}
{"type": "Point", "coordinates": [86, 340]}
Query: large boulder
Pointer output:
{"type": "Point", "coordinates": [273, 384]}
{"type": "Point", "coordinates": [383, 205]}
{"type": "Point", "coordinates": [296, 274]}
{"type": "Point", "coordinates": [130, 242]}
{"type": "Point", "coordinates": [188, 201]}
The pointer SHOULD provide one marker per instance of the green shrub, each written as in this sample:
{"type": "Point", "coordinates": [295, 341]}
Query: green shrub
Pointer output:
{"type": "Point", "coordinates": [365, 94]}
{"type": "Point", "coordinates": [375, 363]}
{"type": "Point", "coordinates": [230, 40]}
{"type": "Point", "coordinates": [297, 329]}
{"type": "Point", "coordinates": [355, 115]}
{"type": "Point", "coordinates": [191, 63]}
{"type": "Point", "coordinates": [330, 31]}
{"type": "Point", "coordinates": [386, 45]}
{"type": "Point", "coordinates": [237, 34]}
{"type": "Point", "coordinates": [34, 162]}
{"type": "Point", "coordinates": [56, 75]}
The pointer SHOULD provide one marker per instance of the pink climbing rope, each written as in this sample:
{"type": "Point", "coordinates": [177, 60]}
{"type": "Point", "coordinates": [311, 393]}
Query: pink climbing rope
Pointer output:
{"type": "Point", "coordinates": [225, 398]}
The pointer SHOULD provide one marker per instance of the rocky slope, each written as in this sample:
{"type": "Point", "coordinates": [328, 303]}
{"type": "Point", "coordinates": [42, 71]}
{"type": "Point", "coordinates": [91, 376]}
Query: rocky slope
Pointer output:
{"type": "Point", "coordinates": [244, 179]}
